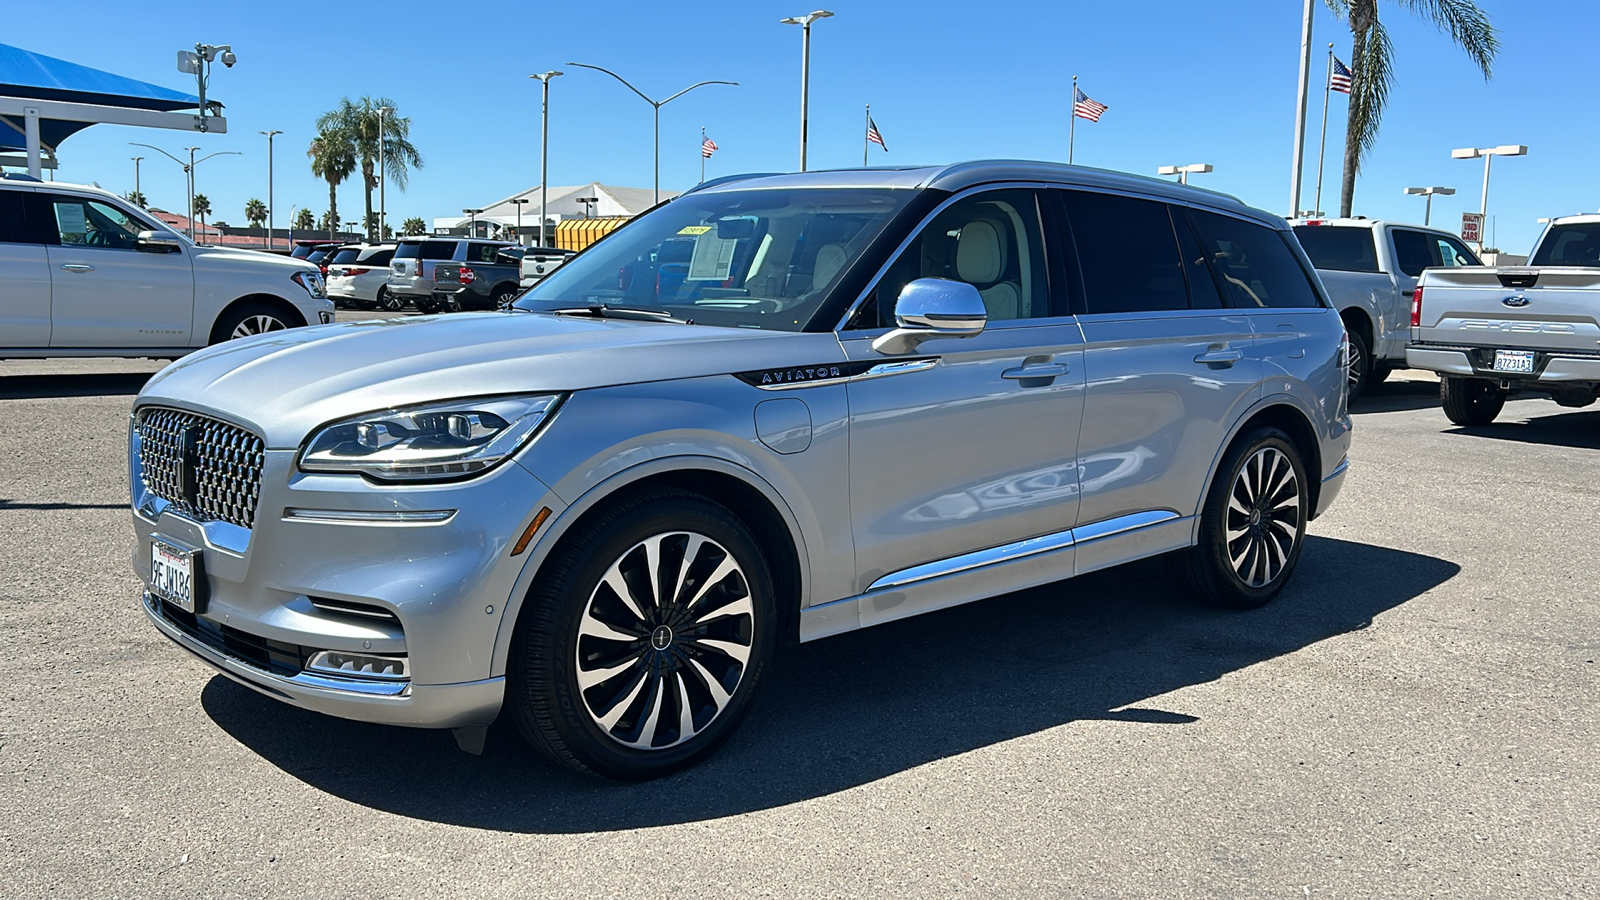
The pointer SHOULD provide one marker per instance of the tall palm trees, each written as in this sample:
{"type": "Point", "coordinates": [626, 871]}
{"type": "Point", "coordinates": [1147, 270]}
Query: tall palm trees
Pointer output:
{"type": "Point", "coordinates": [333, 159]}
{"type": "Point", "coordinates": [1371, 55]}
{"type": "Point", "coordinates": [202, 208]}
{"type": "Point", "coordinates": [255, 212]}
{"type": "Point", "coordinates": [362, 125]}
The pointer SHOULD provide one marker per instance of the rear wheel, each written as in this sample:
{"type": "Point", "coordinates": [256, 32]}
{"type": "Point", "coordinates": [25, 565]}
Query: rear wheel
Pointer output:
{"type": "Point", "coordinates": [1252, 526]}
{"type": "Point", "coordinates": [644, 638]}
{"type": "Point", "coordinates": [1471, 401]}
{"type": "Point", "coordinates": [389, 302]}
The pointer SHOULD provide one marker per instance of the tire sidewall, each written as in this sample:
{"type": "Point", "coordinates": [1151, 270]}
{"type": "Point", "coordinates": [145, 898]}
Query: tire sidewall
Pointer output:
{"type": "Point", "coordinates": [547, 656]}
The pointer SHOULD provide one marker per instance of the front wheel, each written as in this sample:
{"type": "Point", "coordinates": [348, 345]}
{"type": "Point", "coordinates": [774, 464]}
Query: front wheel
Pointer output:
{"type": "Point", "coordinates": [249, 319]}
{"type": "Point", "coordinates": [644, 638]}
{"type": "Point", "coordinates": [1471, 401]}
{"type": "Point", "coordinates": [1252, 526]}
{"type": "Point", "coordinates": [503, 298]}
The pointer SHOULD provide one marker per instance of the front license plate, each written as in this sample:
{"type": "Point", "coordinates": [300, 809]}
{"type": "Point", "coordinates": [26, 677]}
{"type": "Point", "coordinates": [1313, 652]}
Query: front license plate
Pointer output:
{"type": "Point", "coordinates": [1514, 361]}
{"type": "Point", "coordinates": [173, 575]}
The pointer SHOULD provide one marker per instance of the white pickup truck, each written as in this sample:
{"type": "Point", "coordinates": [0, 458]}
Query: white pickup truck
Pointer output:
{"type": "Point", "coordinates": [1370, 269]}
{"type": "Point", "coordinates": [1531, 329]}
{"type": "Point", "coordinates": [85, 273]}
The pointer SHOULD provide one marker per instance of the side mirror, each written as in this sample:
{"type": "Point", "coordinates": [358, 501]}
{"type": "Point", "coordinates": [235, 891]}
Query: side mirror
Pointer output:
{"type": "Point", "coordinates": [930, 308]}
{"type": "Point", "coordinates": [158, 242]}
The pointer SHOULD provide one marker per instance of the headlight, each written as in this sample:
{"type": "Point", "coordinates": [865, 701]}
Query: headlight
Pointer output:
{"type": "Point", "coordinates": [429, 443]}
{"type": "Point", "coordinates": [312, 282]}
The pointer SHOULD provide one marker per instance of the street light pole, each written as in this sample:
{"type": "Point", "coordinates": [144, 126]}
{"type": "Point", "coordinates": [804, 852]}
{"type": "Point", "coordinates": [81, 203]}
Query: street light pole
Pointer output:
{"type": "Point", "coordinates": [136, 192]}
{"type": "Point", "coordinates": [544, 153]}
{"type": "Point", "coordinates": [383, 180]}
{"type": "Point", "coordinates": [1488, 154]}
{"type": "Point", "coordinates": [656, 104]}
{"type": "Point", "coordinates": [520, 202]}
{"type": "Point", "coordinates": [1428, 192]}
{"type": "Point", "coordinates": [805, 72]}
{"type": "Point", "coordinates": [1183, 171]}
{"type": "Point", "coordinates": [270, 134]}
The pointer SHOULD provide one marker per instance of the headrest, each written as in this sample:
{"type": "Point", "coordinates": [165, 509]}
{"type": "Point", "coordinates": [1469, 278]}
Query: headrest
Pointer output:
{"type": "Point", "coordinates": [980, 255]}
{"type": "Point", "coordinates": [830, 259]}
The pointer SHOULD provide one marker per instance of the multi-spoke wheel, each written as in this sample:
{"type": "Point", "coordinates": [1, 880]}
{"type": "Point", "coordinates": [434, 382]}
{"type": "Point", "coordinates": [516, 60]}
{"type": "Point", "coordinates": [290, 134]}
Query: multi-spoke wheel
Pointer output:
{"type": "Point", "coordinates": [640, 647]}
{"type": "Point", "coordinates": [1252, 525]}
{"type": "Point", "coordinates": [1359, 371]}
{"type": "Point", "coordinates": [251, 319]}
{"type": "Point", "coordinates": [389, 302]}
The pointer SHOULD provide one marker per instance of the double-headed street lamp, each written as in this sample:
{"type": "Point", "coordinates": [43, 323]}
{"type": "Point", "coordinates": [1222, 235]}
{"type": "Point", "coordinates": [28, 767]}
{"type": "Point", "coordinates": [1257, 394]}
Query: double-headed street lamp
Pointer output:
{"type": "Point", "coordinates": [1183, 172]}
{"type": "Point", "coordinates": [270, 135]}
{"type": "Point", "coordinates": [544, 154]}
{"type": "Point", "coordinates": [188, 169]}
{"type": "Point", "coordinates": [1428, 192]}
{"type": "Point", "coordinates": [805, 72]}
{"type": "Point", "coordinates": [656, 104]}
{"type": "Point", "coordinates": [1488, 154]}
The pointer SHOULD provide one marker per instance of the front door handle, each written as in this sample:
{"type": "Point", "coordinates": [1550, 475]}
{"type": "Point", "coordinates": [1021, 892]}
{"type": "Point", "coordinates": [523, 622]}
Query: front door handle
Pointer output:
{"type": "Point", "coordinates": [1040, 373]}
{"type": "Point", "coordinates": [78, 267]}
{"type": "Point", "coordinates": [1219, 356]}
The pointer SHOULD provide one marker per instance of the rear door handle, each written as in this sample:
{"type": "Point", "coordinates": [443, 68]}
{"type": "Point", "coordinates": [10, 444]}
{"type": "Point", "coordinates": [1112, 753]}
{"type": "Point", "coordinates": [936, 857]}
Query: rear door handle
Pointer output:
{"type": "Point", "coordinates": [1045, 372]}
{"type": "Point", "coordinates": [78, 267]}
{"type": "Point", "coordinates": [1220, 356]}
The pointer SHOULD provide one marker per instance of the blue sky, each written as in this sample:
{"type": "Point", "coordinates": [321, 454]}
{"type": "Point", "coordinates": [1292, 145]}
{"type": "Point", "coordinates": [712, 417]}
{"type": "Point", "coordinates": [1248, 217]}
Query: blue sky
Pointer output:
{"type": "Point", "coordinates": [1186, 82]}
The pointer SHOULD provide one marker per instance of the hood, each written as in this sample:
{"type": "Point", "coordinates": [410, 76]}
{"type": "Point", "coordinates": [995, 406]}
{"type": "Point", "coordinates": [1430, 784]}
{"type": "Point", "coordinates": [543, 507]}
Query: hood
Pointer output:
{"type": "Point", "coordinates": [252, 257]}
{"type": "Point", "coordinates": [287, 383]}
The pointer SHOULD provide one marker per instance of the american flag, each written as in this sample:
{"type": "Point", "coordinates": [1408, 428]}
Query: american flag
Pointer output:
{"type": "Point", "coordinates": [708, 147]}
{"type": "Point", "coordinates": [874, 136]}
{"type": "Point", "coordinates": [1084, 108]}
{"type": "Point", "coordinates": [1341, 77]}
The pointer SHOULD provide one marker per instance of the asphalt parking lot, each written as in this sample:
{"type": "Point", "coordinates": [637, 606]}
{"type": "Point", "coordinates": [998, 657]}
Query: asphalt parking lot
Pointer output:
{"type": "Point", "coordinates": [1416, 716]}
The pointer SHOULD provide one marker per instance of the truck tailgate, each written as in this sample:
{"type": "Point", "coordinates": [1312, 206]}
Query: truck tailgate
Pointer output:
{"type": "Point", "coordinates": [1553, 309]}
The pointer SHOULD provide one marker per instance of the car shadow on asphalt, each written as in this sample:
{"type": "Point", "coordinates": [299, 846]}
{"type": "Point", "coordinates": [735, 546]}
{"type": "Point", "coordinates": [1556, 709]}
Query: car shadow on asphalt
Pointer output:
{"type": "Point", "coordinates": [1574, 429]}
{"type": "Point", "coordinates": [76, 384]}
{"type": "Point", "coordinates": [1397, 396]}
{"type": "Point", "coordinates": [863, 706]}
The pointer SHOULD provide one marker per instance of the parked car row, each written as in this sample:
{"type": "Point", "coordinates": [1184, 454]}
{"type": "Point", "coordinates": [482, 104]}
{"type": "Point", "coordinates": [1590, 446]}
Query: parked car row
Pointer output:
{"type": "Point", "coordinates": [433, 274]}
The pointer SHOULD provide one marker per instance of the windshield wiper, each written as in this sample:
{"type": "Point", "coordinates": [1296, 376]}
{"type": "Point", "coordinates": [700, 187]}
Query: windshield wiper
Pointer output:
{"type": "Point", "coordinates": [603, 311]}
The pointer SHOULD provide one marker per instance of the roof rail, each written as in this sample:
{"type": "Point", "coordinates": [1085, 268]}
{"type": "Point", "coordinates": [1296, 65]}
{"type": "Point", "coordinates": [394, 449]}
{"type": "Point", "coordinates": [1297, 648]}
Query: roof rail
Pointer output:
{"type": "Point", "coordinates": [727, 178]}
{"type": "Point", "coordinates": [20, 176]}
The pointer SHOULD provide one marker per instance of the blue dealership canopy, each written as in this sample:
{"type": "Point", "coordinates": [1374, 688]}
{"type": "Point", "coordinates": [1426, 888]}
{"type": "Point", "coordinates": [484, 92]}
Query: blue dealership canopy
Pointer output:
{"type": "Point", "coordinates": [34, 76]}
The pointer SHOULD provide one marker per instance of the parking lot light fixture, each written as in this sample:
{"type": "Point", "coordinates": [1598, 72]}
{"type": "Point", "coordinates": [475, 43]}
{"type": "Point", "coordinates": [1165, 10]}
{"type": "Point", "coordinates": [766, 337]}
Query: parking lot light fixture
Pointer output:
{"type": "Point", "coordinates": [270, 243]}
{"type": "Point", "coordinates": [472, 221]}
{"type": "Point", "coordinates": [805, 71]}
{"type": "Point", "coordinates": [1428, 192]}
{"type": "Point", "coordinates": [136, 191]}
{"type": "Point", "coordinates": [1488, 154]}
{"type": "Point", "coordinates": [520, 202]}
{"type": "Point", "coordinates": [1183, 172]}
{"type": "Point", "coordinates": [544, 152]}
{"type": "Point", "coordinates": [657, 104]}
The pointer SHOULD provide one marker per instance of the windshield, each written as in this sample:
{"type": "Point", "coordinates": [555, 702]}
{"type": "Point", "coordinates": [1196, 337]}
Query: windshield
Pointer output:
{"type": "Point", "coordinates": [1339, 248]}
{"type": "Point", "coordinates": [748, 259]}
{"type": "Point", "coordinates": [1577, 244]}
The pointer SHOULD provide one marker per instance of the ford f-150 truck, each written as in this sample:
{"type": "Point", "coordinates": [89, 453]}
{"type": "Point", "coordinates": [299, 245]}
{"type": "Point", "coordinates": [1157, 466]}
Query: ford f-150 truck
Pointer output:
{"type": "Point", "coordinates": [1533, 329]}
{"type": "Point", "coordinates": [1370, 269]}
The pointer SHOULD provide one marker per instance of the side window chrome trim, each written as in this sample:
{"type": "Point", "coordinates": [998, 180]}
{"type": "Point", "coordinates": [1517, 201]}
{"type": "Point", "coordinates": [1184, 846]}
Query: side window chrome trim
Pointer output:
{"type": "Point", "coordinates": [872, 283]}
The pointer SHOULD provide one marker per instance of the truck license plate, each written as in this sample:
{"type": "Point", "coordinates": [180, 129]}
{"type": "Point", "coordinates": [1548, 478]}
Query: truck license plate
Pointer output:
{"type": "Point", "coordinates": [172, 574]}
{"type": "Point", "coordinates": [1514, 361]}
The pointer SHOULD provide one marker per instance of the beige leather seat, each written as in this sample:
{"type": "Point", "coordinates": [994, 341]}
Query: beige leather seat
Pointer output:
{"type": "Point", "coordinates": [830, 259]}
{"type": "Point", "coordinates": [981, 262]}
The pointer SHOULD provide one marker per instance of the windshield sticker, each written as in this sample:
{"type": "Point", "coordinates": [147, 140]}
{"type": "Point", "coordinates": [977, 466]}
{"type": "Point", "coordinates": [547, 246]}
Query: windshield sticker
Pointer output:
{"type": "Point", "coordinates": [694, 229]}
{"type": "Point", "coordinates": [713, 259]}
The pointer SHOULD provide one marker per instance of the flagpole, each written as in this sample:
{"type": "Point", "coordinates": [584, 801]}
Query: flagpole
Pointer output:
{"type": "Point", "coordinates": [1322, 144]}
{"type": "Point", "coordinates": [865, 143]}
{"type": "Point", "coordinates": [1072, 127]}
{"type": "Point", "coordinates": [1301, 96]}
{"type": "Point", "coordinates": [702, 153]}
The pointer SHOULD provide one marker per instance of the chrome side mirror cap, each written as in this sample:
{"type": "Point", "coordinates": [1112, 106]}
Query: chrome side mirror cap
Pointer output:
{"type": "Point", "coordinates": [930, 308]}
{"type": "Point", "coordinates": [158, 242]}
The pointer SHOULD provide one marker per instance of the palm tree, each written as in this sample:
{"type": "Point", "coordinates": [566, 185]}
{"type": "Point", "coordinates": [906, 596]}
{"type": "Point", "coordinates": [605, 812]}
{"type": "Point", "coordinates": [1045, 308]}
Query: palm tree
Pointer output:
{"type": "Point", "coordinates": [202, 208]}
{"type": "Point", "coordinates": [304, 220]}
{"type": "Point", "coordinates": [1371, 55]}
{"type": "Point", "coordinates": [413, 226]}
{"type": "Point", "coordinates": [362, 122]}
{"type": "Point", "coordinates": [333, 159]}
{"type": "Point", "coordinates": [255, 212]}
{"type": "Point", "coordinates": [136, 198]}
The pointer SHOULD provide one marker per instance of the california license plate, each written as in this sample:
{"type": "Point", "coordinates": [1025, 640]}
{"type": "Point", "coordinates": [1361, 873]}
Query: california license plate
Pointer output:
{"type": "Point", "coordinates": [173, 575]}
{"type": "Point", "coordinates": [1514, 361]}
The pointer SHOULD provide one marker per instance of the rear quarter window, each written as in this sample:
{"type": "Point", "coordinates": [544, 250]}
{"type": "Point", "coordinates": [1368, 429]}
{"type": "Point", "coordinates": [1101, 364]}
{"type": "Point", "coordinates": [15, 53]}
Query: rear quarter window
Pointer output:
{"type": "Point", "coordinates": [1339, 248]}
{"type": "Point", "coordinates": [437, 250]}
{"type": "Point", "coordinates": [1255, 264]}
{"type": "Point", "coordinates": [377, 257]}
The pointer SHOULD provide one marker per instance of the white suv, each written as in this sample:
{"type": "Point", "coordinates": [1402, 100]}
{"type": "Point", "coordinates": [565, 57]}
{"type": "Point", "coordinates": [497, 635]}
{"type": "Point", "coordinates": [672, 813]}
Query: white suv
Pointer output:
{"type": "Point", "coordinates": [85, 273]}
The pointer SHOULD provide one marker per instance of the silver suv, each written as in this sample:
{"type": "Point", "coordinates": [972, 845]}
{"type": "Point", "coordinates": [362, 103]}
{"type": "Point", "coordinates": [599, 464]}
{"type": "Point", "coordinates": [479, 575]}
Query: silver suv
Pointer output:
{"type": "Point", "coordinates": [772, 410]}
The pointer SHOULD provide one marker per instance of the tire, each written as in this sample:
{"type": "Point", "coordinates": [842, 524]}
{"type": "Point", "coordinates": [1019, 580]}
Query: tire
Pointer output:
{"type": "Point", "coordinates": [425, 306]}
{"type": "Point", "coordinates": [1241, 561]}
{"type": "Point", "coordinates": [1471, 401]}
{"type": "Point", "coordinates": [565, 679]}
{"type": "Point", "coordinates": [1360, 370]}
{"type": "Point", "coordinates": [250, 319]}
{"type": "Point", "coordinates": [389, 302]}
{"type": "Point", "coordinates": [503, 297]}
{"type": "Point", "coordinates": [1378, 374]}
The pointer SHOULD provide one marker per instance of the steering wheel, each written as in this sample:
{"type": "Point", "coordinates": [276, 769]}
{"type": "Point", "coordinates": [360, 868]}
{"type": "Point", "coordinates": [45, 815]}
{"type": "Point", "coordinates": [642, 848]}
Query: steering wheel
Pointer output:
{"type": "Point", "coordinates": [94, 237]}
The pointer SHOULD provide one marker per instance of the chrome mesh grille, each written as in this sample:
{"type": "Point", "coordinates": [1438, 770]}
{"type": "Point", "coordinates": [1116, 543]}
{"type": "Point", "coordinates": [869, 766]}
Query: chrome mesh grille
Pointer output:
{"type": "Point", "coordinates": [223, 472]}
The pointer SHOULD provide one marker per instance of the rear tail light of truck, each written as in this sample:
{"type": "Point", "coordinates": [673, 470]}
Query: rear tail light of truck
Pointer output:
{"type": "Point", "coordinates": [1416, 307]}
{"type": "Point", "coordinates": [467, 276]}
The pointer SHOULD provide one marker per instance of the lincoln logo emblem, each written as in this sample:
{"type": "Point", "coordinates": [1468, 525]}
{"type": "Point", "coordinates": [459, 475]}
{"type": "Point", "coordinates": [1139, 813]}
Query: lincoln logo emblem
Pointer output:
{"type": "Point", "coordinates": [188, 463]}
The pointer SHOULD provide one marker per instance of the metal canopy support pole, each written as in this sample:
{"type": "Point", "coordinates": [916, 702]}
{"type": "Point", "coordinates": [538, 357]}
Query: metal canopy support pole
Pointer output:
{"type": "Point", "coordinates": [30, 126]}
{"type": "Point", "coordinates": [1301, 96]}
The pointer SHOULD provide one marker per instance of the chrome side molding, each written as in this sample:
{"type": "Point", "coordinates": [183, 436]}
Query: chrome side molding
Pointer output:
{"type": "Point", "coordinates": [364, 517]}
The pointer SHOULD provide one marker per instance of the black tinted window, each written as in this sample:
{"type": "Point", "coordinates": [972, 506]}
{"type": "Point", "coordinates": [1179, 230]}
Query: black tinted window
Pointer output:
{"type": "Point", "coordinates": [438, 249]}
{"type": "Point", "coordinates": [346, 255]}
{"type": "Point", "coordinates": [1570, 245]}
{"type": "Point", "coordinates": [1413, 251]}
{"type": "Point", "coordinates": [377, 257]}
{"type": "Point", "coordinates": [1254, 263]}
{"type": "Point", "coordinates": [1127, 253]}
{"type": "Point", "coordinates": [1339, 248]}
{"type": "Point", "coordinates": [13, 228]}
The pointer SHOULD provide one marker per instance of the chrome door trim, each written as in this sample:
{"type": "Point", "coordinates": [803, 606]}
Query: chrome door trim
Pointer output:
{"type": "Point", "coordinates": [883, 370]}
{"type": "Point", "coordinates": [1021, 549]}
